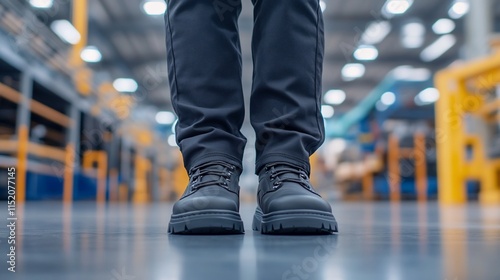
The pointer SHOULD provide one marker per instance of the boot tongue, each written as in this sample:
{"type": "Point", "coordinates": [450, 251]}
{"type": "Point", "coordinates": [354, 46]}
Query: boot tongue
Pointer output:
{"type": "Point", "coordinates": [291, 171]}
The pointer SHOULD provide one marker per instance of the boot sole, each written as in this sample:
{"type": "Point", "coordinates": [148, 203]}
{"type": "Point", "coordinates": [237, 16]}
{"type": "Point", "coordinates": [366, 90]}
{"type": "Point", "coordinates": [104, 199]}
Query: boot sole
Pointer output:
{"type": "Point", "coordinates": [294, 222]}
{"type": "Point", "coordinates": [206, 222]}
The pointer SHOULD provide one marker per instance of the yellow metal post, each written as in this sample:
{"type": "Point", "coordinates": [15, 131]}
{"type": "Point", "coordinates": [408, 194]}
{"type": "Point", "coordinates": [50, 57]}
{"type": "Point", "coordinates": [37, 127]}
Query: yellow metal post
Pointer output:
{"type": "Point", "coordinates": [142, 167]}
{"type": "Point", "coordinates": [450, 141]}
{"type": "Point", "coordinates": [420, 162]}
{"type": "Point", "coordinates": [22, 162]}
{"type": "Point", "coordinates": [69, 167]}
{"type": "Point", "coordinates": [83, 75]}
{"type": "Point", "coordinates": [394, 168]}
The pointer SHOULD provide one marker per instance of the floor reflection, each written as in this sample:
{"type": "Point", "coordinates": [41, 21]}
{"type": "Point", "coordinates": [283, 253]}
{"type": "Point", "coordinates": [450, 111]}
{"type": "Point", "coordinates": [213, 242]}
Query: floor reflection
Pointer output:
{"type": "Point", "coordinates": [376, 241]}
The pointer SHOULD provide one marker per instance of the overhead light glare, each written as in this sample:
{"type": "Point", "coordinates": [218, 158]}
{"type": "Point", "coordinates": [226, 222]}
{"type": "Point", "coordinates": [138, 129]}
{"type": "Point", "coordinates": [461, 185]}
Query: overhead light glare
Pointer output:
{"type": "Point", "coordinates": [443, 26]}
{"type": "Point", "coordinates": [91, 54]}
{"type": "Point", "coordinates": [438, 48]}
{"type": "Point", "coordinates": [42, 4]}
{"type": "Point", "coordinates": [322, 5]}
{"type": "Point", "coordinates": [335, 97]}
{"type": "Point", "coordinates": [427, 96]}
{"type": "Point", "coordinates": [352, 71]}
{"type": "Point", "coordinates": [410, 74]}
{"type": "Point", "coordinates": [125, 85]}
{"type": "Point", "coordinates": [459, 8]}
{"type": "Point", "coordinates": [376, 32]}
{"type": "Point", "coordinates": [366, 53]}
{"type": "Point", "coordinates": [165, 117]}
{"type": "Point", "coordinates": [413, 35]}
{"type": "Point", "coordinates": [66, 31]}
{"type": "Point", "coordinates": [154, 7]}
{"type": "Point", "coordinates": [388, 98]}
{"type": "Point", "coordinates": [327, 111]}
{"type": "Point", "coordinates": [396, 7]}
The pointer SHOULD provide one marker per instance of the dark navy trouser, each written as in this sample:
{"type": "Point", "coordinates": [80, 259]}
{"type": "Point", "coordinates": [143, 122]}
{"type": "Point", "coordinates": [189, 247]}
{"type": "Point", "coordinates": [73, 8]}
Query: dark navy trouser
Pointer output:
{"type": "Point", "coordinates": [204, 63]}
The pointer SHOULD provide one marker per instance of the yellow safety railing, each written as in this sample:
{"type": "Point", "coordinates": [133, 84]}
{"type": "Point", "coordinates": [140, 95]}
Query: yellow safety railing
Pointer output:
{"type": "Point", "coordinates": [466, 89]}
{"type": "Point", "coordinates": [395, 153]}
{"type": "Point", "coordinates": [100, 158]}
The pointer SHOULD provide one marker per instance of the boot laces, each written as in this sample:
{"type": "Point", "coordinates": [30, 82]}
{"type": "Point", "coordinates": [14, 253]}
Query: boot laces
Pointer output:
{"type": "Point", "coordinates": [278, 170]}
{"type": "Point", "coordinates": [198, 173]}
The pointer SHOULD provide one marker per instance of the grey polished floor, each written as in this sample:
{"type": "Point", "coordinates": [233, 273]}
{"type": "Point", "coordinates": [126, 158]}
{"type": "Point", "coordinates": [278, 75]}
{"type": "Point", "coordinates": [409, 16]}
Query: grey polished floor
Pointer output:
{"type": "Point", "coordinates": [377, 241]}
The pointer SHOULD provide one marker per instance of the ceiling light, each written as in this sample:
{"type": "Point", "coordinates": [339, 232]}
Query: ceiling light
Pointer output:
{"type": "Point", "coordinates": [410, 74]}
{"type": "Point", "coordinates": [327, 111]}
{"type": "Point", "coordinates": [413, 35]}
{"type": "Point", "coordinates": [366, 52]}
{"type": "Point", "coordinates": [42, 4]}
{"type": "Point", "coordinates": [381, 106]}
{"type": "Point", "coordinates": [154, 7]}
{"type": "Point", "coordinates": [459, 9]}
{"type": "Point", "coordinates": [443, 26]}
{"type": "Point", "coordinates": [171, 140]}
{"type": "Point", "coordinates": [388, 98]}
{"type": "Point", "coordinates": [427, 96]}
{"type": "Point", "coordinates": [165, 117]}
{"type": "Point", "coordinates": [353, 71]}
{"type": "Point", "coordinates": [438, 48]}
{"type": "Point", "coordinates": [396, 7]}
{"type": "Point", "coordinates": [125, 85]}
{"type": "Point", "coordinates": [91, 54]}
{"type": "Point", "coordinates": [66, 31]}
{"type": "Point", "coordinates": [376, 32]}
{"type": "Point", "coordinates": [322, 5]}
{"type": "Point", "coordinates": [335, 97]}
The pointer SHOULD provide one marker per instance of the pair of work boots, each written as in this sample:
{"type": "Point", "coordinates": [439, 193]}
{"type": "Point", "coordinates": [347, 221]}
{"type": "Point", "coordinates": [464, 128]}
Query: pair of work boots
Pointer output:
{"type": "Point", "coordinates": [287, 203]}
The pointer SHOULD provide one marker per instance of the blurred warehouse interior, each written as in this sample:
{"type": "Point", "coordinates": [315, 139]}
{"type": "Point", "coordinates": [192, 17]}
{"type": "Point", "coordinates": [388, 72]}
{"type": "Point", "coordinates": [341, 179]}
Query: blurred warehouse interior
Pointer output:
{"type": "Point", "coordinates": [85, 108]}
{"type": "Point", "coordinates": [411, 102]}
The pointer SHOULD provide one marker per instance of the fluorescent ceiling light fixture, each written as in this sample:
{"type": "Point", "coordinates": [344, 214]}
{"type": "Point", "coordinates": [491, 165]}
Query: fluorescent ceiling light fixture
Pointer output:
{"type": "Point", "coordinates": [42, 4]}
{"type": "Point", "coordinates": [322, 5]}
{"type": "Point", "coordinates": [66, 31]}
{"type": "Point", "coordinates": [376, 32]}
{"type": "Point", "coordinates": [427, 96]}
{"type": "Point", "coordinates": [171, 140]}
{"type": "Point", "coordinates": [165, 117]}
{"type": "Point", "coordinates": [438, 48]}
{"type": "Point", "coordinates": [366, 53]}
{"type": "Point", "coordinates": [335, 97]}
{"type": "Point", "coordinates": [327, 111]}
{"type": "Point", "coordinates": [125, 85]}
{"type": "Point", "coordinates": [396, 7]}
{"type": "Point", "coordinates": [388, 98]}
{"type": "Point", "coordinates": [443, 26]}
{"type": "Point", "coordinates": [91, 54]}
{"type": "Point", "coordinates": [459, 8]}
{"type": "Point", "coordinates": [353, 71]}
{"type": "Point", "coordinates": [154, 7]}
{"type": "Point", "coordinates": [410, 74]}
{"type": "Point", "coordinates": [412, 35]}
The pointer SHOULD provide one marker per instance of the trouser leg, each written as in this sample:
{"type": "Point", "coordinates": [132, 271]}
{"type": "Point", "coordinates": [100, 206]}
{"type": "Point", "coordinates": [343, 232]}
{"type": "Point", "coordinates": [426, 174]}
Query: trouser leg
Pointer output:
{"type": "Point", "coordinates": [288, 47]}
{"type": "Point", "coordinates": [204, 63]}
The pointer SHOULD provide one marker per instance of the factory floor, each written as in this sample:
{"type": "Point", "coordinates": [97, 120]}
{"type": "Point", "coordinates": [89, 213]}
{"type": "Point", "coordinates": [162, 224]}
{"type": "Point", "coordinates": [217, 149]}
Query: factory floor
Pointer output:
{"type": "Point", "coordinates": [376, 241]}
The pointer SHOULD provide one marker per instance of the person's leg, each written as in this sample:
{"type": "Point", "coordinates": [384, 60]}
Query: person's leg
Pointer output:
{"type": "Point", "coordinates": [285, 106]}
{"type": "Point", "coordinates": [288, 48]}
{"type": "Point", "coordinates": [204, 63]}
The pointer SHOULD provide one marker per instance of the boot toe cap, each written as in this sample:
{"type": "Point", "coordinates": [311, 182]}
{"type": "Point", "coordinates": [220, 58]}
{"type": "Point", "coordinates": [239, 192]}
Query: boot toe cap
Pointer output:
{"type": "Point", "coordinates": [203, 203]}
{"type": "Point", "coordinates": [299, 202]}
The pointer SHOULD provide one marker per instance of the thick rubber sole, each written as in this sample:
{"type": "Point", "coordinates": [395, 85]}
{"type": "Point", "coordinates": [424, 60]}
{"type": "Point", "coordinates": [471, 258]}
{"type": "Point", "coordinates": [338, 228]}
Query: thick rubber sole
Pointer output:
{"type": "Point", "coordinates": [206, 222]}
{"type": "Point", "coordinates": [294, 222]}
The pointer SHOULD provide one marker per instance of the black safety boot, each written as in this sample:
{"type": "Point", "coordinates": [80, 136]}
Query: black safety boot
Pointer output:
{"type": "Point", "coordinates": [210, 204]}
{"type": "Point", "coordinates": [289, 205]}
